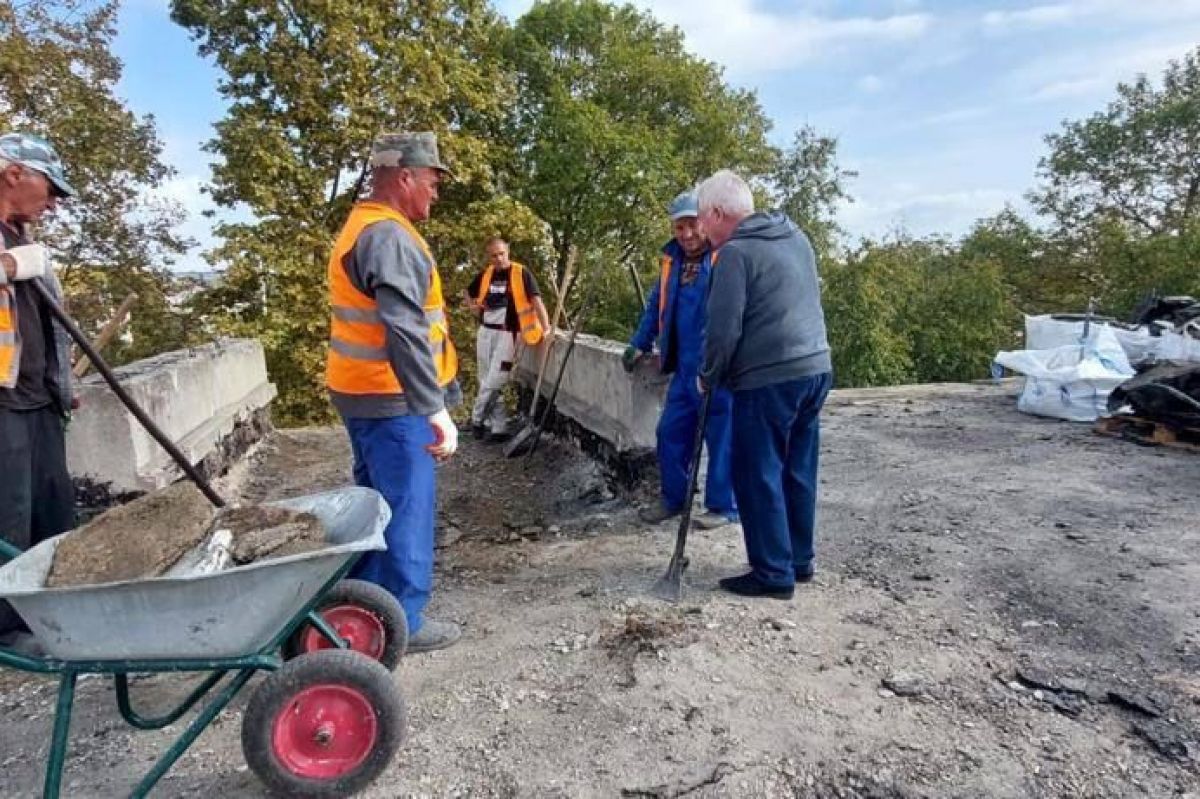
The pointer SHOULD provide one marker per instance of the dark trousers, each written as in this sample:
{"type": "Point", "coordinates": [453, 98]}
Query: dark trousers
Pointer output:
{"type": "Point", "coordinates": [676, 435]}
{"type": "Point", "coordinates": [776, 445]}
{"type": "Point", "coordinates": [37, 500]}
{"type": "Point", "coordinates": [390, 456]}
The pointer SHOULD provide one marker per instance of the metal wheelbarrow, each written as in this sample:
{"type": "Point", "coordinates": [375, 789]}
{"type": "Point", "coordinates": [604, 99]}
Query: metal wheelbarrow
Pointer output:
{"type": "Point", "coordinates": [326, 720]}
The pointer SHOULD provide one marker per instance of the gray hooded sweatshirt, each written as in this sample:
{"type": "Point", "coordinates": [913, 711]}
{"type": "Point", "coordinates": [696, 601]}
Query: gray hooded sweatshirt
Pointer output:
{"type": "Point", "coordinates": [765, 323]}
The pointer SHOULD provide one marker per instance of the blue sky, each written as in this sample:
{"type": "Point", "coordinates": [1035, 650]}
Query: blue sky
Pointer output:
{"type": "Point", "coordinates": [940, 106]}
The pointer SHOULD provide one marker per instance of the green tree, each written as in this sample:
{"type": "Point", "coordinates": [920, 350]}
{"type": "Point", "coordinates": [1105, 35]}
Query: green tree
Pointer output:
{"type": "Point", "coordinates": [961, 315]}
{"type": "Point", "coordinates": [1136, 162]}
{"type": "Point", "coordinates": [866, 300]}
{"type": "Point", "coordinates": [807, 184]}
{"type": "Point", "coordinates": [613, 118]}
{"type": "Point", "coordinates": [309, 85]}
{"type": "Point", "coordinates": [911, 310]}
{"type": "Point", "coordinates": [57, 78]}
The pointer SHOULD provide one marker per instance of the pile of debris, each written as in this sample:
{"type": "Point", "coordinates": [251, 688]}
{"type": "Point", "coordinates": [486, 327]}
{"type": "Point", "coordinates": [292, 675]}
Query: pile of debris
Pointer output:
{"type": "Point", "coordinates": [1161, 405]}
{"type": "Point", "coordinates": [1082, 367]}
{"type": "Point", "coordinates": [176, 532]}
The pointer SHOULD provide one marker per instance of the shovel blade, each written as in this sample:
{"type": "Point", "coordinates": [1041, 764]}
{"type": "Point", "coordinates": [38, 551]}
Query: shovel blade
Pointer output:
{"type": "Point", "coordinates": [520, 443]}
{"type": "Point", "coordinates": [669, 587]}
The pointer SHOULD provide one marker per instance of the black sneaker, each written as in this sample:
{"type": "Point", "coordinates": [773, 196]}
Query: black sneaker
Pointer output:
{"type": "Point", "coordinates": [748, 585]}
{"type": "Point", "coordinates": [805, 575]}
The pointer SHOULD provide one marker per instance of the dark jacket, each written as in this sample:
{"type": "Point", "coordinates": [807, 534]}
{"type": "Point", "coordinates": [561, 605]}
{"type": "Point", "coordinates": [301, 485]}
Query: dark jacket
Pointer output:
{"type": "Point", "coordinates": [765, 323]}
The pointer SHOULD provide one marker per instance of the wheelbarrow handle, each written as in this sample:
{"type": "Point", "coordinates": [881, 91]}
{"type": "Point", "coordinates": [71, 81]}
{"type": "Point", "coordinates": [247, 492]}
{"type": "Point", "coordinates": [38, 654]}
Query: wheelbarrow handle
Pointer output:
{"type": "Point", "coordinates": [102, 367]}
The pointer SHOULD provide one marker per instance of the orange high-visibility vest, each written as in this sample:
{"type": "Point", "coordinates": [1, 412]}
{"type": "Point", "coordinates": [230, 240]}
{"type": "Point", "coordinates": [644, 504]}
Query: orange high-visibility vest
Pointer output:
{"type": "Point", "coordinates": [10, 360]}
{"type": "Point", "coordinates": [358, 361]}
{"type": "Point", "coordinates": [664, 283]}
{"type": "Point", "coordinates": [531, 327]}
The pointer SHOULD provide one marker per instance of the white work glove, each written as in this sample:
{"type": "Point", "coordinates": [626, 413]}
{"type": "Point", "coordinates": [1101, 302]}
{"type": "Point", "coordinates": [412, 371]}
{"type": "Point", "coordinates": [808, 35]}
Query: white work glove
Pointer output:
{"type": "Point", "coordinates": [32, 260]}
{"type": "Point", "coordinates": [445, 435]}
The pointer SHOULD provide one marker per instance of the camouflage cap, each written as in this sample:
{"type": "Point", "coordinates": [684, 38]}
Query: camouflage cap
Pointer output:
{"type": "Point", "coordinates": [684, 204]}
{"type": "Point", "coordinates": [37, 154]}
{"type": "Point", "coordinates": [407, 149]}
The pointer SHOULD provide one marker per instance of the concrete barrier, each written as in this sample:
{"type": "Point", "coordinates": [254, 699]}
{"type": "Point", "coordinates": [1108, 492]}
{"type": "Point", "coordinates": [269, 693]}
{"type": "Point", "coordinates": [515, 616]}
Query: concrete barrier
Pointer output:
{"type": "Point", "coordinates": [598, 395]}
{"type": "Point", "coordinates": [209, 400]}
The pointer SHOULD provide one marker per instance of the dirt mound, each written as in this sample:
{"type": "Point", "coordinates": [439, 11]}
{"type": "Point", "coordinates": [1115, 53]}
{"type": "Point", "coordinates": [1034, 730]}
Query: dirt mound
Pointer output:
{"type": "Point", "coordinates": [148, 536]}
{"type": "Point", "coordinates": [260, 531]}
{"type": "Point", "coordinates": [138, 540]}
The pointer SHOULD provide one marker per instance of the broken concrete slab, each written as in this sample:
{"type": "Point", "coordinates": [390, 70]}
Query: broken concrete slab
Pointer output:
{"type": "Point", "coordinates": [596, 392]}
{"type": "Point", "coordinates": [199, 397]}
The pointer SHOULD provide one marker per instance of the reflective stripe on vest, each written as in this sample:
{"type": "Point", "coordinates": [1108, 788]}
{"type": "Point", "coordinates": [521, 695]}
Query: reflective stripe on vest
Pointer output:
{"type": "Point", "coordinates": [358, 361]}
{"type": "Point", "coordinates": [531, 327]}
{"type": "Point", "coordinates": [10, 360]}
{"type": "Point", "coordinates": [664, 283]}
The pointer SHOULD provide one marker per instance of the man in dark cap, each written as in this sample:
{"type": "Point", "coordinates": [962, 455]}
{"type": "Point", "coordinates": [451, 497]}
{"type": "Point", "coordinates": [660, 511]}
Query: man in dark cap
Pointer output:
{"type": "Point", "coordinates": [36, 497]}
{"type": "Point", "coordinates": [392, 368]}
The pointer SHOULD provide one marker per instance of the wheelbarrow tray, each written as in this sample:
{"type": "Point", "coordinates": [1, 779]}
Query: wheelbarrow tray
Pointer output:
{"type": "Point", "coordinates": [226, 614]}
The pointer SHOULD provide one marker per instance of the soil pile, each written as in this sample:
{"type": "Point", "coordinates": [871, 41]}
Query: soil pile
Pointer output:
{"type": "Point", "coordinates": [261, 531]}
{"type": "Point", "coordinates": [134, 541]}
{"type": "Point", "coordinates": [148, 536]}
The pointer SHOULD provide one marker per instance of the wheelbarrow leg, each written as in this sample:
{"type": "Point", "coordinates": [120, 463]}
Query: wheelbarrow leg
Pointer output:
{"type": "Point", "coordinates": [62, 727]}
{"type": "Point", "coordinates": [198, 725]}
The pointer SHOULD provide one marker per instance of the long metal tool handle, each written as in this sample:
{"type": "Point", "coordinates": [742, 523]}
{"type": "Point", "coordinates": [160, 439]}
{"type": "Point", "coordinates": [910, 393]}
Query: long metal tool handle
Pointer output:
{"type": "Point", "coordinates": [580, 318]}
{"type": "Point", "coordinates": [148, 423]}
{"type": "Point", "coordinates": [559, 312]}
{"type": "Point", "coordinates": [685, 520]}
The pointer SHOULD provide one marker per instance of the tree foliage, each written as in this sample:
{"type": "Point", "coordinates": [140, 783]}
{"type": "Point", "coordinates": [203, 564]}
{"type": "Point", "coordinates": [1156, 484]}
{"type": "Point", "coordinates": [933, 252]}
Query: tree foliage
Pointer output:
{"type": "Point", "coordinates": [915, 311]}
{"type": "Point", "coordinates": [1136, 162]}
{"type": "Point", "coordinates": [614, 117]}
{"type": "Point", "coordinates": [57, 78]}
{"type": "Point", "coordinates": [808, 184]}
{"type": "Point", "coordinates": [572, 128]}
{"type": "Point", "coordinates": [309, 86]}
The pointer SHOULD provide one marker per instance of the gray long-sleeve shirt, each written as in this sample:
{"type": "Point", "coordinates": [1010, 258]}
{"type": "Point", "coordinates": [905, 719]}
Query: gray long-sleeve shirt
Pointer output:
{"type": "Point", "coordinates": [388, 265]}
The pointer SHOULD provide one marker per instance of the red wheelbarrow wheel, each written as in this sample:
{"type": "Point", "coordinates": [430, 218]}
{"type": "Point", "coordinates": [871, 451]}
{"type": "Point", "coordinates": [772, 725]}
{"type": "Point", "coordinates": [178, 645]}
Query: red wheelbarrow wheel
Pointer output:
{"type": "Point", "coordinates": [365, 615]}
{"type": "Point", "coordinates": [326, 724]}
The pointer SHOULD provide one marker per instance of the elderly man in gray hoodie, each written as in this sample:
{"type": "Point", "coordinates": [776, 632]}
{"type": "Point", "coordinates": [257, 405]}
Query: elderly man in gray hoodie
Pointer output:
{"type": "Point", "coordinates": [766, 342]}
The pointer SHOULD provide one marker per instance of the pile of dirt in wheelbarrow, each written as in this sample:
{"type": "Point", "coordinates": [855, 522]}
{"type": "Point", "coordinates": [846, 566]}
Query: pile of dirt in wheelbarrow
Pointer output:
{"type": "Point", "coordinates": [148, 536]}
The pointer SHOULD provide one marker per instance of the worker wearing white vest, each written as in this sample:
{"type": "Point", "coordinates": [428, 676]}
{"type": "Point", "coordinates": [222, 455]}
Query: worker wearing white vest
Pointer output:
{"type": "Point", "coordinates": [504, 298]}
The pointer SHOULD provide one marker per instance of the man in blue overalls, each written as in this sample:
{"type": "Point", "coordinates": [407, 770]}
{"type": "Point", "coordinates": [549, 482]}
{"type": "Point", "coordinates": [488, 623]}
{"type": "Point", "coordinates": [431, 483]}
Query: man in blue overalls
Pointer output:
{"type": "Point", "coordinates": [674, 319]}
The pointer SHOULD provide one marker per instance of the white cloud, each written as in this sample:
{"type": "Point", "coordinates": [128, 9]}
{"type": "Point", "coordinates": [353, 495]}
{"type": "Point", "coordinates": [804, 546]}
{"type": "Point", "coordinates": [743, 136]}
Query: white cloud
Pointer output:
{"type": "Point", "coordinates": [748, 39]}
{"type": "Point", "coordinates": [1063, 89]}
{"type": "Point", "coordinates": [184, 192]}
{"type": "Point", "coordinates": [1111, 11]}
{"type": "Point", "coordinates": [870, 84]}
{"type": "Point", "coordinates": [954, 116]}
{"type": "Point", "coordinates": [1034, 17]}
{"type": "Point", "coordinates": [922, 213]}
{"type": "Point", "coordinates": [1095, 72]}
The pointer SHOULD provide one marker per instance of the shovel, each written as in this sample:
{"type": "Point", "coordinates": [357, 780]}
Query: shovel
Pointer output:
{"type": "Point", "coordinates": [670, 585]}
{"type": "Point", "coordinates": [560, 311]}
{"type": "Point", "coordinates": [526, 441]}
{"type": "Point", "coordinates": [102, 367]}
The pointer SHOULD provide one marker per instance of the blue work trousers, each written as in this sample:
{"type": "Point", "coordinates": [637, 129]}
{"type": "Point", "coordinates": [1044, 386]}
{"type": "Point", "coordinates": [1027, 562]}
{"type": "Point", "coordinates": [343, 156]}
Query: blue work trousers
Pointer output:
{"type": "Point", "coordinates": [776, 445]}
{"type": "Point", "coordinates": [676, 437]}
{"type": "Point", "coordinates": [390, 456]}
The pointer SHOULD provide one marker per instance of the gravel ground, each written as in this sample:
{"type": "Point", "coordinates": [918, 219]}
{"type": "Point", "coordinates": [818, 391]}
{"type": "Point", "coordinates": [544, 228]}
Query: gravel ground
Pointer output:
{"type": "Point", "coordinates": [1005, 606]}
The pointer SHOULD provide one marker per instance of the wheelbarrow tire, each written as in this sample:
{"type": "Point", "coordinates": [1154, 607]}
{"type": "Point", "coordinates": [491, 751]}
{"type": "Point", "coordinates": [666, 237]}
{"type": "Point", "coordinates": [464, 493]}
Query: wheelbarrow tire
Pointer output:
{"type": "Point", "coordinates": [366, 615]}
{"type": "Point", "coordinates": [326, 724]}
